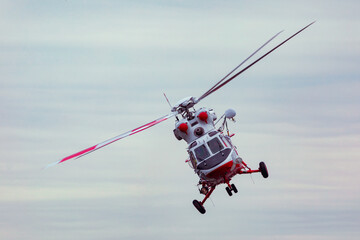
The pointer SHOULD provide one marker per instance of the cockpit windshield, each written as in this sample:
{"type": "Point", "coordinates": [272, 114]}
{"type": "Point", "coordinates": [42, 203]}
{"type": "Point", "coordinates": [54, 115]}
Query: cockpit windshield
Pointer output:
{"type": "Point", "coordinates": [215, 145]}
{"type": "Point", "coordinates": [201, 153]}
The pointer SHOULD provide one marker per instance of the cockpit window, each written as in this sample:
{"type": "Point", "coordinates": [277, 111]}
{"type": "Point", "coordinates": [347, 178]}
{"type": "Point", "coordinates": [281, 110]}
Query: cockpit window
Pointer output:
{"type": "Point", "coordinates": [201, 153]}
{"type": "Point", "coordinates": [215, 145]}
{"type": "Point", "coordinates": [226, 139]}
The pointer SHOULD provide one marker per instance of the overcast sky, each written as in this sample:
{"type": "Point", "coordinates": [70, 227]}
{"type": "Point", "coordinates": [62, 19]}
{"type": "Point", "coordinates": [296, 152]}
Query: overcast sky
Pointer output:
{"type": "Point", "coordinates": [75, 73]}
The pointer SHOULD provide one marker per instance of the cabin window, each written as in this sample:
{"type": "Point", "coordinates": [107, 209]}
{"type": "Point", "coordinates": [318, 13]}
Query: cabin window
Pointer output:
{"type": "Point", "coordinates": [192, 159]}
{"type": "Point", "coordinates": [193, 144]}
{"type": "Point", "coordinates": [201, 153]}
{"type": "Point", "coordinates": [194, 123]}
{"type": "Point", "coordinates": [215, 145]}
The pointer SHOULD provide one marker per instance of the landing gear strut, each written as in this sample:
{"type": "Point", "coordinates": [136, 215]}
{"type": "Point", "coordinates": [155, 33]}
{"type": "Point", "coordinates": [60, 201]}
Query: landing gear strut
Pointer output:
{"type": "Point", "coordinates": [262, 169]}
{"type": "Point", "coordinates": [200, 205]}
{"type": "Point", "coordinates": [207, 190]}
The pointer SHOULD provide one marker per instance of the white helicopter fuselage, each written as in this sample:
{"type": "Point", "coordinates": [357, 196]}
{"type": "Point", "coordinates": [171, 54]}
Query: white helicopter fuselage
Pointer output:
{"type": "Point", "coordinates": [211, 153]}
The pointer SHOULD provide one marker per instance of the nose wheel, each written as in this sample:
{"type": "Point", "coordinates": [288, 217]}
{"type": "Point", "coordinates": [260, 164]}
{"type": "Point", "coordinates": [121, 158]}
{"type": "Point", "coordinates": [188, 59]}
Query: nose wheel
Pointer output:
{"type": "Point", "coordinates": [231, 188]}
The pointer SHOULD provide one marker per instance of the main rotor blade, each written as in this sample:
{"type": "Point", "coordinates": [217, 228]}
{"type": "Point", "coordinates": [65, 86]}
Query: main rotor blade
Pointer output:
{"type": "Point", "coordinates": [210, 90]}
{"type": "Point", "coordinates": [250, 65]}
{"type": "Point", "coordinates": [114, 139]}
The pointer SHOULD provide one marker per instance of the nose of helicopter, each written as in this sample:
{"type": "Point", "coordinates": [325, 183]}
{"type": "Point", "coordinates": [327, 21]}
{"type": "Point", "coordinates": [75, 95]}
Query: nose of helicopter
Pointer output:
{"type": "Point", "coordinates": [227, 168]}
{"type": "Point", "coordinates": [215, 160]}
{"type": "Point", "coordinates": [222, 170]}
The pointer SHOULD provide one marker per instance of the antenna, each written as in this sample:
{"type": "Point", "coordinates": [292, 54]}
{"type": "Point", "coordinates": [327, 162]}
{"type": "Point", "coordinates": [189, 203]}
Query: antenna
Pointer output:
{"type": "Point", "coordinates": [167, 100]}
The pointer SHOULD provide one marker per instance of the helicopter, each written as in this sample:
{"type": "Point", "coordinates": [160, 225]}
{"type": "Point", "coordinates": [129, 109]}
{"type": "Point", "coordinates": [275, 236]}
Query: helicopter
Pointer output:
{"type": "Point", "coordinates": [212, 155]}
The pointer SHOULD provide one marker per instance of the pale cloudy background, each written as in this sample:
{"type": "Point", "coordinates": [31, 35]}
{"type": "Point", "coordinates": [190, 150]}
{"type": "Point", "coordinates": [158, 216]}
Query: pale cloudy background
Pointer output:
{"type": "Point", "coordinates": [75, 73]}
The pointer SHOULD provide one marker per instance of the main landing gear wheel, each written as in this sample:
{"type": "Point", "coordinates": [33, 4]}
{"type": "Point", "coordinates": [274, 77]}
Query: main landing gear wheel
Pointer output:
{"type": "Point", "coordinates": [199, 206]}
{"type": "Point", "coordinates": [263, 169]}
